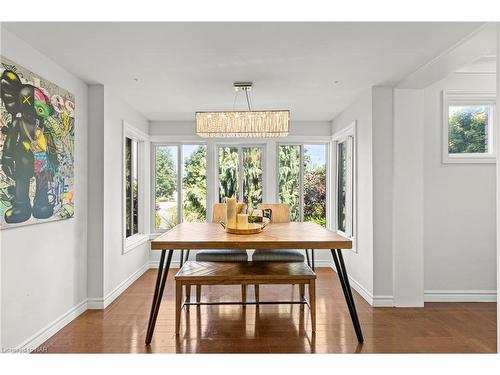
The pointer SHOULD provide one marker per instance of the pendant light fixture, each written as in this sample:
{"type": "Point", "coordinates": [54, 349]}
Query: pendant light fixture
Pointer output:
{"type": "Point", "coordinates": [262, 124]}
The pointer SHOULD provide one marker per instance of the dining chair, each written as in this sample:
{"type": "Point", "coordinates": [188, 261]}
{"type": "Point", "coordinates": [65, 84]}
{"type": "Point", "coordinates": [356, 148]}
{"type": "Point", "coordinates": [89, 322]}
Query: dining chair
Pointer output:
{"type": "Point", "coordinates": [219, 214]}
{"type": "Point", "coordinates": [280, 213]}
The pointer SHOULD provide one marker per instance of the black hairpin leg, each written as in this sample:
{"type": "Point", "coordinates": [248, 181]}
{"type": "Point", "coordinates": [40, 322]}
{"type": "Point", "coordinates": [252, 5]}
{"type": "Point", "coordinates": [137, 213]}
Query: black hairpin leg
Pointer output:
{"type": "Point", "coordinates": [346, 288]}
{"type": "Point", "coordinates": [181, 258]}
{"type": "Point", "coordinates": [312, 258]}
{"type": "Point", "coordinates": [307, 258]}
{"type": "Point", "coordinates": [161, 280]}
{"type": "Point", "coordinates": [187, 256]}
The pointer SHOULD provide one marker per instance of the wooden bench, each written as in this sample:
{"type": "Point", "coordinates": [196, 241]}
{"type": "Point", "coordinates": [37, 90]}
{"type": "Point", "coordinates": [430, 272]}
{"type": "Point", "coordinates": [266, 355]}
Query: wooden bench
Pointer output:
{"type": "Point", "coordinates": [244, 273]}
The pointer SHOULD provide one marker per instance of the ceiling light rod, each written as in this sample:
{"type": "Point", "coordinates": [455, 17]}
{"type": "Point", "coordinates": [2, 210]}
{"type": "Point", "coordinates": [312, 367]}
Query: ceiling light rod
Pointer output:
{"type": "Point", "coordinates": [246, 87]}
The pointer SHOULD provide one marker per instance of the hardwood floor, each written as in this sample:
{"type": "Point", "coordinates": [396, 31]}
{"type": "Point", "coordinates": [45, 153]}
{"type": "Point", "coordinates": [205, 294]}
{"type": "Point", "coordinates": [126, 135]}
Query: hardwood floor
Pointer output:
{"type": "Point", "coordinates": [121, 328]}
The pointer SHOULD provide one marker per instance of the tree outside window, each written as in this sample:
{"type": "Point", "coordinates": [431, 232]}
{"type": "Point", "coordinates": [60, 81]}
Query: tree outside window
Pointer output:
{"type": "Point", "coordinates": [192, 204]}
{"type": "Point", "coordinates": [302, 185]}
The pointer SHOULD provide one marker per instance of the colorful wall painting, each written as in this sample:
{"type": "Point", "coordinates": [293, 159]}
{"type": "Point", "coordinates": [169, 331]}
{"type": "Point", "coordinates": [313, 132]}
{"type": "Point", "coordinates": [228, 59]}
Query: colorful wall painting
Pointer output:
{"type": "Point", "coordinates": [37, 138]}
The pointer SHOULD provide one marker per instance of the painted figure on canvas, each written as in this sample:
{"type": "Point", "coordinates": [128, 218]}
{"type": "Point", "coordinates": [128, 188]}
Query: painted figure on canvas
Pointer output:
{"type": "Point", "coordinates": [37, 137]}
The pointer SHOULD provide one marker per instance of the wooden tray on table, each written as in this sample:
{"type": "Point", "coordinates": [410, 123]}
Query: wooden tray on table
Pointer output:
{"type": "Point", "coordinates": [253, 228]}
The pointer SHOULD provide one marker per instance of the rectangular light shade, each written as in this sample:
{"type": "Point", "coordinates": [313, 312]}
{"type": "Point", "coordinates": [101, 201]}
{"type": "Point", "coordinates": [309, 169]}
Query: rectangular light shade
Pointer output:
{"type": "Point", "coordinates": [243, 124]}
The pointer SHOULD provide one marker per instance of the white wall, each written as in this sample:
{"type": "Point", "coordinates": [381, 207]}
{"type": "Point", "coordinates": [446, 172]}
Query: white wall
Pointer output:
{"type": "Point", "coordinates": [360, 264]}
{"type": "Point", "coordinates": [95, 221]}
{"type": "Point", "coordinates": [118, 267]}
{"type": "Point", "coordinates": [44, 266]}
{"type": "Point", "coordinates": [383, 193]}
{"type": "Point", "coordinates": [407, 199]}
{"type": "Point", "coordinates": [110, 269]}
{"type": "Point", "coordinates": [459, 207]}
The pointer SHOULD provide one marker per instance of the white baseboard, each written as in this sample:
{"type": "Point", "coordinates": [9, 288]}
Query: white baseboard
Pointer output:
{"type": "Point", "coordinates": [155, 264]}
{"type": "Point", "coordinates": [49, 330]}
{"type": "Point", "coordinates": [102, 303]}
{"type": "Point", "coordinates": [460, 296]}
{"type": "Point", "coordinates": [373, 300]}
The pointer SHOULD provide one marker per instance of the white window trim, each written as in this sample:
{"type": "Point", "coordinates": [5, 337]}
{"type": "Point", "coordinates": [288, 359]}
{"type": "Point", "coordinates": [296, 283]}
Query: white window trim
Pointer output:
{"type": "Point", "coordinates": [130, 243]}
{"type": "Point", "coordinates": [240, 146]}
{"type": "Point", "coordinates": [301, 175]}
{"type": "Point", "coordinates": [348, 134]}
{"type": "Point", "coordinates": [180, 197]}
{"type": "Point", "coordinates": [468, 98]}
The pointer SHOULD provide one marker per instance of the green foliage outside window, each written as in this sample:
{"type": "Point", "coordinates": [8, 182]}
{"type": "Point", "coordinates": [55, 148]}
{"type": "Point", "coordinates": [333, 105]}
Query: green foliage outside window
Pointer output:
{"type": "Point", "coordinates": [252, 177]}
{"type": "Point", "coordinates": [228, 173]}
{"type": "Point", "coordinates": [194, 185]}
{"type": "Point", "coordinates": [468, 129]}
{"type": "Point", "coordinates": [289, 179]}
{"type": "Point", "coordinates": [315, 195]}
{"type": "Point", "coordinates": [166, 173]}
{"type": "Point", "coordinates": [314, 179]}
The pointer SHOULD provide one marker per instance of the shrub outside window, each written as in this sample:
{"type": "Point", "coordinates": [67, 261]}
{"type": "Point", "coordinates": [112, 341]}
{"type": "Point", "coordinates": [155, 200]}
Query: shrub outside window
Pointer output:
{"type": "Point", "coordinates": [468, 127]}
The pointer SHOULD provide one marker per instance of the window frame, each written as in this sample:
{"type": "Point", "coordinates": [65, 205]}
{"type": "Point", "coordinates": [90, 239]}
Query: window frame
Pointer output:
{"type": "Point", "coordinates": [465, 98]}
{"type": "Point", "coordinates": [240, 146]}
{"type": "Point", "coordinates": [180, 170]}
{"type": "Point", "coordinates": [301, 175]}
{"type": "Point", "coordinates": [348, 135]}
{"type": "Point", "coordinates": [131, 242]}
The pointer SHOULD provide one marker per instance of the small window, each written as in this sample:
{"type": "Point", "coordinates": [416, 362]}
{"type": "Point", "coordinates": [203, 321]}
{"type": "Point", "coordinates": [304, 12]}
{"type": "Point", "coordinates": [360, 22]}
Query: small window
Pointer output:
{"type": "Point", "coordinates": [468, 128]}
{"type": "Point", "coordinates": [345, 178]}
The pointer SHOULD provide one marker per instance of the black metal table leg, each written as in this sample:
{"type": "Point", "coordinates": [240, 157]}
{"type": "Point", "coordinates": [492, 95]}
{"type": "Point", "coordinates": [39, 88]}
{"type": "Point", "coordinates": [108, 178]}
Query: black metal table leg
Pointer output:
{"type": "Point", "coordinates": [312, 259]}
{"type": "Point", "coordinates": [307, 258]}
{"type": "Point", "coordinates": [182, 258]}
{"type": "Point", "coordinates": [157, 288]}
{"type": "Point", "coordinates": [346, 288]}
{"type": "Point", "coordinates": [161, 280]}
{"type": "Point", "coordinates": [187, 256]}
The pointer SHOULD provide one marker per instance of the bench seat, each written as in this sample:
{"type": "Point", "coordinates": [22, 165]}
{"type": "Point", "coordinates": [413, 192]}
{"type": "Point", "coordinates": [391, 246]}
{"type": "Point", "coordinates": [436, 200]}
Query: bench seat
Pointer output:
{"type": "Point", "coordinates": [243, 273]}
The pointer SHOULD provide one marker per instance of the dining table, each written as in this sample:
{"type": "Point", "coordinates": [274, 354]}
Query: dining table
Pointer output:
{"type": "Point", "coordinates": [276, 236]}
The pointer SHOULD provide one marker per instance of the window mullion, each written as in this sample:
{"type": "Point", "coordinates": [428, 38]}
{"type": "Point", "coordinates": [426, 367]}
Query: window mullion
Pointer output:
{"type": "Point", "coordinates": [301, 180]}
{"type": "Point", "coordinates": [240, 174]}
{"type": "Point", "coordinates": [179, 184]}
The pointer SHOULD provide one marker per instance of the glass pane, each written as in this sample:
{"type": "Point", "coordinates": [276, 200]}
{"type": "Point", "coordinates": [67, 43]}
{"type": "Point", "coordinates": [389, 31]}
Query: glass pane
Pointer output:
{"type": "Point", "coordinates": [128, 186]}
{"type": "Point", "coordinates": [166, 187]}
{"type": "Point", "coordinates": [341, 188]}
{"type": "Point", "coordinates": [289, 179]}
{"type": "Point", "coordinates": [468, 129]}
{"type": "Point", "coordinates": [252, 176]}
{"type": "Point", "coordinates": [194, 183]}
{"type": "Point", "coordinates": [315, 184]}
{"type": "Point", "coordinates": [228, 172]}
{"type": "Point", "coordinates": [135, 187]}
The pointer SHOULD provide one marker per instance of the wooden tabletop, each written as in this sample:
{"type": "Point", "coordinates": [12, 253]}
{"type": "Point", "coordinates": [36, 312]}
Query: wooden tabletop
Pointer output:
{"type": "Point", "coordinates": [275, 236]}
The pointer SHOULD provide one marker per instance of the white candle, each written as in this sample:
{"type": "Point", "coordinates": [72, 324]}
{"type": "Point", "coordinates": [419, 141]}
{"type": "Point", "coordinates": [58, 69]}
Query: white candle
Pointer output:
{"type": "Point", "coordinates": [231, 212]}
{"type": "Point", "coordinates": [242, 221]}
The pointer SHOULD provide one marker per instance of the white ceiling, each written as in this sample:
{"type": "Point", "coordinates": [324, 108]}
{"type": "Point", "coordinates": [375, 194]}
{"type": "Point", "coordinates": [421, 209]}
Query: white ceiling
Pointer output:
{"type": "Point", "coordinates": [188, 67]}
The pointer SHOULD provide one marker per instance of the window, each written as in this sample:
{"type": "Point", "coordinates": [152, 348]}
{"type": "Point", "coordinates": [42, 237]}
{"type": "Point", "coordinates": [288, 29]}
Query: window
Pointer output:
{"type": "Point", "coordinates": [302, 176]}
{"type": "Point", "coordinates": [468, 128]}
{"type": "Point", "coordinates": [344, 175]}
{"type": "Point", "coordinates": [133, 183]}
{"type": "Point", "coordinates": [131, 187]}
{"type": "Point", "coordinates": [240, 172]}
{"type": "Point", "coordinates": [180, 186]}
